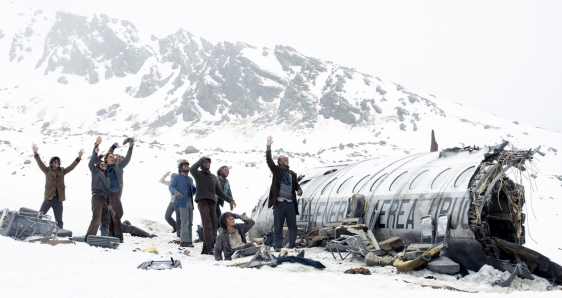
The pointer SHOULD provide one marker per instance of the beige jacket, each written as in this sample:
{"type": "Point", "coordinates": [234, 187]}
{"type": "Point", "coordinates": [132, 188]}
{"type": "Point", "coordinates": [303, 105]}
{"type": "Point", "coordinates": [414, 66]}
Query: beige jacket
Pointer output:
{"type": "Point", "coordinates": [54, 179]}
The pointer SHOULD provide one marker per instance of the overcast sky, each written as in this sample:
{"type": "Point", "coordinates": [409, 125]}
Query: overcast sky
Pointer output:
{"type": "Point", "coordinates": [503, 57]}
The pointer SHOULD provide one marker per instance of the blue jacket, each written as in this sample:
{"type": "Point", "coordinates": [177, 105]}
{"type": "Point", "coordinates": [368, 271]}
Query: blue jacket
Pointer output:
{"type": "Point", "coordinates": [186, 189]}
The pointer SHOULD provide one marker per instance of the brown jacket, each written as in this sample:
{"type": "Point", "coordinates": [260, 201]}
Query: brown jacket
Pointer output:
{"type": "Point", "coordinates": [276, 182]}
{"type": "Point", "coordinates": [54, 179]}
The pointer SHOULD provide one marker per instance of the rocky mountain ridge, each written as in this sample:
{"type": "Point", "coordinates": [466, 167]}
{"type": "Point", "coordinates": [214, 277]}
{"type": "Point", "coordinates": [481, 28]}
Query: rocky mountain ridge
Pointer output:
{"type": "Point", "coordinates": [225, 81]}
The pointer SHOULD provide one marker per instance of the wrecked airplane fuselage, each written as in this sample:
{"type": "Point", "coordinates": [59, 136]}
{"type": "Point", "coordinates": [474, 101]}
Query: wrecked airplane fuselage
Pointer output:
{"type": "Point", "coordinates": [466, 197]}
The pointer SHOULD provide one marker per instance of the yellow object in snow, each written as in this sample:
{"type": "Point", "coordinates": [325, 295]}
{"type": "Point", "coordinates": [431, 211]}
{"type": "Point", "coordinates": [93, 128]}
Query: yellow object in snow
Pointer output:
{"type": "Point", "coordinates": [151, 249]}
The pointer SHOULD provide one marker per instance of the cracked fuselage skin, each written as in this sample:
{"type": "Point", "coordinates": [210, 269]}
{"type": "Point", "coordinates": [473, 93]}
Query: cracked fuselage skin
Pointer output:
{"type": "Point", "coordinates": [467, 185]}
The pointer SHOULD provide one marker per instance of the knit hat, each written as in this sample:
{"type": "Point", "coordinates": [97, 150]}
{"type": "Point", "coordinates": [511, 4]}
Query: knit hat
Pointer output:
{"type": "Point", "coordinates": [181, 162]}
{"type": "Point", "coordinates": [54, 158]}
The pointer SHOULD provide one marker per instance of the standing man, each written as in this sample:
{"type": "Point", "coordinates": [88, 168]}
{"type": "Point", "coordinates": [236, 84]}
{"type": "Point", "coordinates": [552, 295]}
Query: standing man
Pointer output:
{"type": "Point", "coordinates": [205, 198]}
{"type": "Point", "coordinates": [54, 183]}
{"type": "Point", "coordinates": [282, 197]}
{"type": "Point", "coordinates": [115, 174]}
{"type": "Point", "coordinates": [183, 189]}
{"type": "Point", "coordinates": [100, 189]}
{"type": "Point", "coordinates": [224, 185]}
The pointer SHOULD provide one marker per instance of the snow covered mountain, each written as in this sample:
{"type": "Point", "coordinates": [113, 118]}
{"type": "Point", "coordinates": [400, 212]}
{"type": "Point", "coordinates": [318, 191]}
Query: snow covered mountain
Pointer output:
{"type": "Point", "coordinates": [67, 75]}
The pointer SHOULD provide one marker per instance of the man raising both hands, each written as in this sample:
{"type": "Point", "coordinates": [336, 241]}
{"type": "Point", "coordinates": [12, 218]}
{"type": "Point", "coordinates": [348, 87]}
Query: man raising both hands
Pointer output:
{"type": "Point", "coordinates": [54, 183]}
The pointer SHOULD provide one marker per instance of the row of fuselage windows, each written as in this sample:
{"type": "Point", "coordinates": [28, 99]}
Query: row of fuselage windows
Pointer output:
{"type": "Point", "coordinates": [436, 182]}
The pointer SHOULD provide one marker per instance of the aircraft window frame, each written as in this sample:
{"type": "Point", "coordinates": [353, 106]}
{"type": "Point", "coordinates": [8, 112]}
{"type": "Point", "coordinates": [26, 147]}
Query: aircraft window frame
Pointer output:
{"type": "Point", "coordinates": [329, 183]}
{"type": "Point", "coordinates": [344, 184]}
{"type": "Point", "coordinates": [464, 176]}
{"type": "Point", "coordinates": [358, 182]}
{"type": "Point", "coordinates": [439, 178]}
{"type": "Point", "coordinates": [397, 181]}
{"type": "Point", "coordinates": [418, 179]}
{"type": "Point", "coordinates": [379, 180]}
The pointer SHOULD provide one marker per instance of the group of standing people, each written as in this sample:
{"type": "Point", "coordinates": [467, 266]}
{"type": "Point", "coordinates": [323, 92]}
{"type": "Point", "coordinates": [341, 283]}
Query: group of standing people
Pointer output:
{"type": "Point", "coordinates": [107, 188]}
{"type": "Point", "coordinates": [205, 189]}
{"type": "Point", "coordinates": [208, 192]}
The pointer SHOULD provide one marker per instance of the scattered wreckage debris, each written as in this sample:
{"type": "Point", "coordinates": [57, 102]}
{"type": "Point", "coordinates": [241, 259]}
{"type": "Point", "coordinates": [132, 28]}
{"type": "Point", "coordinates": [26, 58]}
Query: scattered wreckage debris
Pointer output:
{"type": "Point", "coordinates": [57, 242]}
{"type": "Point", "coordinates": [258, 256]}
{"type": "Point", "coordinates": [24, 225]}
{"type": "Point", "coordinates": [470, 199]}
{"type": "Point", "coordinates": [444, 287]}
{"type": "Point", "coordinates": [360, 270]}
{"type": "Point", "coordinates": [160, 265]}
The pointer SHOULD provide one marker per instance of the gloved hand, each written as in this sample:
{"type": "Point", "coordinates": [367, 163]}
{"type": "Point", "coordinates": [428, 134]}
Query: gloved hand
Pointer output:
{"type": "Point", "coordinates": [236, 216]}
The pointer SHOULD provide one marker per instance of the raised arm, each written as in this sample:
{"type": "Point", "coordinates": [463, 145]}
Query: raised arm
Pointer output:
{"type": "Point", "coordinates": [194, 170]}
{"type": "Point", "coordinates": [248, 222]}
{"type": "Point", "coordinates": [163, 179]}
{"type": "Point", "coordinates": [127, 158]}
{"type": "Point", "coordinates": [38, 159]}
{"type": "Point", "coordinates": [268, 159]}
{"type": "Point", "coordinates": [113, 147]}
{"type": "Point", "coordinates": [94, 159]}
{"type": "Point", "coordinates": [74, 163]}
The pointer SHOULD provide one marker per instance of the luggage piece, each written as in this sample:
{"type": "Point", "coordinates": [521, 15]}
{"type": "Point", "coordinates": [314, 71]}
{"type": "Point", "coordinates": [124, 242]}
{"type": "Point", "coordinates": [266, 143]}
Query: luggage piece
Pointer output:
{"type": "Point", "coordinates": [443, 265]}
{"type": "Point", "coordinates": [404, 266]}
{"type": "Point", "coordinates": [391, 243]}
{"type": "Point", "coordinates": [373, 260]}
{"type": "Point", "coordinates": [79, 238]}
{"type": "Point", "coordinates": [64, 233]}
{"type": "Point", "coordinates": [28, 224]}
{"type": "Point", "coordinates": [160, 265]}
{"type": "Point", "coordinates": [327, 232]}
{"type": "Point", "coordinates": [316, 241]}
{"type": "Point", "coordinates": [250, 251]}
{"type": "Point", "coordinates": [103, 241]}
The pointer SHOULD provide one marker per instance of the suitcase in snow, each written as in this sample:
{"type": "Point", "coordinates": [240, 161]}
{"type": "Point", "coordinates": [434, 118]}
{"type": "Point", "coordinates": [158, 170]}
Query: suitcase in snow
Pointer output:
{"type": "Point", "coordinates": [103, 241]}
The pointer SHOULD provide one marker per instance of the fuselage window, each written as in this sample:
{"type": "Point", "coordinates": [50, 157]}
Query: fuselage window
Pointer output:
{"type": "Point", "coordinates": [360, 184]}
{"type": "Point", "coordinates": [464, 175]}
{"type": "Point", "coordinates": [398, 181]}
{"type": "Point", "coordinates": [342, 186]}
{"type": "Point", "coordinates": [440, 178]}
{"type": "Point", "coordinates": [377, 182]}
{"type": "Point", "coordinates": [418, 178]}
{"type": "Point", "coordinates": [325, 187]}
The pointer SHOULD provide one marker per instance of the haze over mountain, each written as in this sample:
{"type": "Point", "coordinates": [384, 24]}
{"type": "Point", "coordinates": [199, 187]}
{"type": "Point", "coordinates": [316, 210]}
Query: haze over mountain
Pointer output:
{"type": "Point", "coordinates": [71, 75]}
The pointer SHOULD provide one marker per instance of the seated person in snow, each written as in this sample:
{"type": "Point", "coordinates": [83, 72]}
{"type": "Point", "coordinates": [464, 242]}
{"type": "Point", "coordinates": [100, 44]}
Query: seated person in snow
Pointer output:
{"type": "Point", "coordinates": [233, 235]}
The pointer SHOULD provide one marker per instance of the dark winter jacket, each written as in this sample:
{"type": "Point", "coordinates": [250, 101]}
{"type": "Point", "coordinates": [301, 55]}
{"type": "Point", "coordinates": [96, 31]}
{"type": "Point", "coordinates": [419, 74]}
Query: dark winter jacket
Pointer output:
{"type": "Point", "coordinates": [276, 182]}
{"type": "Point", "coordinates": [207, 186]}
{"type": "Point", "coordinates": [226, 190]}
{"type": "Point", "coordinates": [187, 190]}
{"type": "Point", "coordinates": [222, 244]}
{"type": "Point", "coordinates": [54, 178]}
{"type": "Point", "coordinates": [100, 181]}
{"type": "Point", "coordinates": [118, 168]}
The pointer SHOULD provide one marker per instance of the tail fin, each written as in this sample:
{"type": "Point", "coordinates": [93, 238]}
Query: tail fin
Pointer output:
{"type": "Point", "coordinates": [434, 145]}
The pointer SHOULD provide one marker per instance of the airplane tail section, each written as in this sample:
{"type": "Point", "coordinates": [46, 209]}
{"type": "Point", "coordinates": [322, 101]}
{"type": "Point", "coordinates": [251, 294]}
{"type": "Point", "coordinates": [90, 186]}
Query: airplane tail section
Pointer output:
{"type": "Point", "coordinates": [434, 146]}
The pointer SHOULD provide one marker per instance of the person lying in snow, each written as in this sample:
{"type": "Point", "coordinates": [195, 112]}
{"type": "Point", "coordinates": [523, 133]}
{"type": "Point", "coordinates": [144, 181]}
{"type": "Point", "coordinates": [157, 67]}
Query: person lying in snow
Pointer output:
{"type": "Point", "coordinates": [233, 235]}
